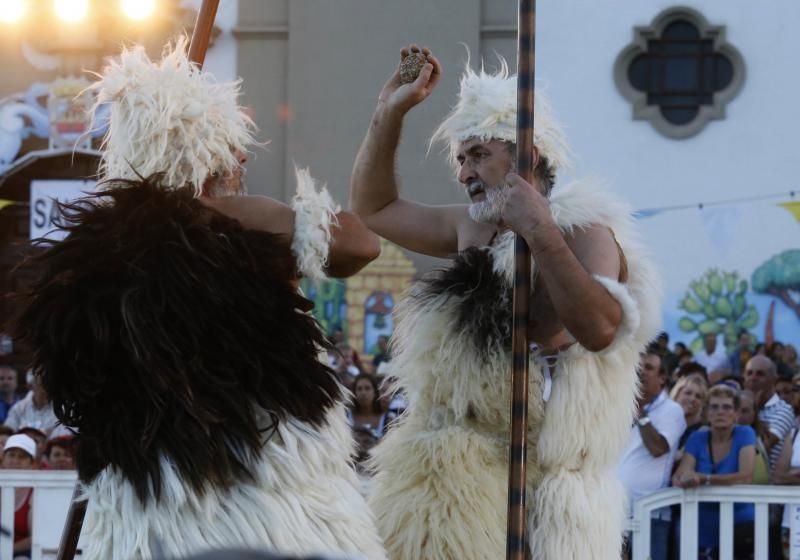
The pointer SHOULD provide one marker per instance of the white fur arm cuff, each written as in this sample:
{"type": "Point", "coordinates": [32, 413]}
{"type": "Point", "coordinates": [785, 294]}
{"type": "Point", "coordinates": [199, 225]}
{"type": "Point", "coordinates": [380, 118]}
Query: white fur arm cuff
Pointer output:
{"type": "Point", "coordinates": [630, 310]}
{"type": "Point", "coordinates": [314, 213]}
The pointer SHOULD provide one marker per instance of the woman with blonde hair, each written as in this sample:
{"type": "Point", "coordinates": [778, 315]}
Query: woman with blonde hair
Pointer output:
{"type": "Point", "coordinates": [690, 392]}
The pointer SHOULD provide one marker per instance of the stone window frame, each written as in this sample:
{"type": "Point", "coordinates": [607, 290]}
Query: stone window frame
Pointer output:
{"type": "Point", "coordinates": [652, 113]}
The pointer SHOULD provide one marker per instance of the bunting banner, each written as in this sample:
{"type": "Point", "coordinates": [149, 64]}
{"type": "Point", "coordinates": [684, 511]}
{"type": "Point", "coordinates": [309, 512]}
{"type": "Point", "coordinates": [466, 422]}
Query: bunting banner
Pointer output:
{"type": "Point", "coordinates": [793, 207]}
{"type": "Point", "coordinates": [721, 224]}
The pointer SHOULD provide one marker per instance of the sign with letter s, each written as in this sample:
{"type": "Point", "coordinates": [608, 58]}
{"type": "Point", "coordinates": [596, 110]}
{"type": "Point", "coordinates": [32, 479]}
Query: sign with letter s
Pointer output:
{"type": "Point", "coordinates": [45, 215]}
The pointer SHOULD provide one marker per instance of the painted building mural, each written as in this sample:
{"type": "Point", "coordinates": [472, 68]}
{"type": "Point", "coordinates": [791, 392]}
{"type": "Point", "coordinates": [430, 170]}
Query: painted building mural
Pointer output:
{"type": "Point", "coordinates": [362, 305]}
{"type": "Point", "coordinates": [741, 273]}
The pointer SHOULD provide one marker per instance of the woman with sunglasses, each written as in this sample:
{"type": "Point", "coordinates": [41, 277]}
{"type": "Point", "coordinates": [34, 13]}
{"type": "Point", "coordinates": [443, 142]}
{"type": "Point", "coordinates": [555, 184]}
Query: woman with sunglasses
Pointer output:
{"type": "Point", "coordinates": [722, 455]}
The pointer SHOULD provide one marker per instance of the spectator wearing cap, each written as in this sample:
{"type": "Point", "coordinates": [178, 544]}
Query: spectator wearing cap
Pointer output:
{"type": "Point", "coordinates": [19, 453]}
{"type": "Point", "coordinates": [41, 441]}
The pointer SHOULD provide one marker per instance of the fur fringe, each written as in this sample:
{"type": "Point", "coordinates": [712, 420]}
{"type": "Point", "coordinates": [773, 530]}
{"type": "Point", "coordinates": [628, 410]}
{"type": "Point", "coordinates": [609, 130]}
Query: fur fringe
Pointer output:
{"type": "Point", "coordinates": [314, 214]}
{"type": "Point", "coordinates": [487, 109]}
{"type": "Point", "coordinates": [448, 453]}
{"type": "Point", "coordinates": [303, 500]}
{"type": "Point", "coordinates": [168, 117]}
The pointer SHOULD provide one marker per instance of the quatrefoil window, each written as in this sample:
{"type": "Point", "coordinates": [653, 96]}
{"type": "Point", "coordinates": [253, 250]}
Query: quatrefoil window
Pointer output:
{"type": "Point", "coordinates": [679, 72]}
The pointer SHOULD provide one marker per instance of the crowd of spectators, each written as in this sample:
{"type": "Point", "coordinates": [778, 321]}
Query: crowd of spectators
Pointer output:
{"type": "Point", "coordinates": [715, 418]}
{"type": "Point", "coordinates": [31, 439]}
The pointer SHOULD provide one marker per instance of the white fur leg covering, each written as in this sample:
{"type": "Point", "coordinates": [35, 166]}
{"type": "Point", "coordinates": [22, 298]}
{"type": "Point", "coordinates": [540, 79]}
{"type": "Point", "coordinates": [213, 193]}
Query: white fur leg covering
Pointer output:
{"type": "Point", "coordinates": [577, 515]}
{"type": "Point", "coordinates": [578, 508]}
{"type": "Point", "coordinates": [314, 214]}
{"type": "Point", "coordinates": [441, 495]}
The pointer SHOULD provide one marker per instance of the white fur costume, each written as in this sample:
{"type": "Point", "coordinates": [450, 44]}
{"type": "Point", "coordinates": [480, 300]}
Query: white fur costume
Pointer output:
{"type": "Point", "coordinates": [441, 486]}
{"type": "Point", "coordinates": [304, 499]}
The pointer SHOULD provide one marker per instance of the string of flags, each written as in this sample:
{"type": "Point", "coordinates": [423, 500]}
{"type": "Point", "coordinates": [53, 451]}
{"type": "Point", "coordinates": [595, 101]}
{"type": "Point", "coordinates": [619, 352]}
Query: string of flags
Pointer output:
{"type": "Point", "coordinates": [792, 206]}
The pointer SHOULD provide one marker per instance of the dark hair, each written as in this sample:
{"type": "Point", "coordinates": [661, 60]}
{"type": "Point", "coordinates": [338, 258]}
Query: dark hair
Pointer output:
{"type": "Point", "coordinates": [67, 443]}
{"type": "Point", "coordinates": [692, 367]}
{"type": "Point", "coordinates": [6, 431]}
{"type": "Point", "coordinates": [544, 170]}
{"type": "Point", "coordinates": [164, 329]}
{"type": "Point", "coordinates": [376, 400]}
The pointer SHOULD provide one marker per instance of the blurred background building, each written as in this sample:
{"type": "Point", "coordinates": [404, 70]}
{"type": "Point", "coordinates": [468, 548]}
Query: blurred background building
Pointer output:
{"type": "Point", "coordinates": [686, 109]}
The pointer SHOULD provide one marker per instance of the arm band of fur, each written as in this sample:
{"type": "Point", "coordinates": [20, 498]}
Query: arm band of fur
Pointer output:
{"type": "Point", "coordinates": [630, 310]}
{"type": "Point", "coordinates": [314, 213]}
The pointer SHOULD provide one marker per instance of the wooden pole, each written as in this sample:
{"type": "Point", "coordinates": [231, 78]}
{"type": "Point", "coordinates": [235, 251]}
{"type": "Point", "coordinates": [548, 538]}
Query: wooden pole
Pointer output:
{"type": "Point", "coordinates": [202, 31]}
{"type": "Point", "coordinates": [201, 36]}
{"type": "Point", "coordinates": [516, 548]}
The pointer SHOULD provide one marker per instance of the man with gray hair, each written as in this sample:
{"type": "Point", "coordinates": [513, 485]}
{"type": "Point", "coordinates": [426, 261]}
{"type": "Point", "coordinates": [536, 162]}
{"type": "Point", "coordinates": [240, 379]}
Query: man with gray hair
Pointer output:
{"type": "Point", "coordinates": [760, 376]}
{"type": "Point", "coordinates": [441, 486]}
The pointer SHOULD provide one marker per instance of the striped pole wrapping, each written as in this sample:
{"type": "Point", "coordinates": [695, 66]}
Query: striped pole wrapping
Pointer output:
{"type": "Point", "coordinates": [71, 534]}
{"type": "Point", "coordinates": [516, 539]}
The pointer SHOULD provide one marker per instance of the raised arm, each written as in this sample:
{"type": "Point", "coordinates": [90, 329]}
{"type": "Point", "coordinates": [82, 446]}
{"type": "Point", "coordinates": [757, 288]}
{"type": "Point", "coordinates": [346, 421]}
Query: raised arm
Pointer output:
{"type": "Point", "coordinates": [352, 245]}
{"type": "Point", "coordinates": [374, 196]}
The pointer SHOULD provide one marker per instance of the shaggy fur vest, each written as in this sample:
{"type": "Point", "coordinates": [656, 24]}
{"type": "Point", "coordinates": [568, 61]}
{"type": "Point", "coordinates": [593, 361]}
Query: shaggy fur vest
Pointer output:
{"type": "Point", "coordinates": [175, 342]}
{"type": "Point", "coordinates": [441, 486]}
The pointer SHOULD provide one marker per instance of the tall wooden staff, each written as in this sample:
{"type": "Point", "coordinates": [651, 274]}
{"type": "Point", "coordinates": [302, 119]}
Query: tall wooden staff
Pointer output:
{"type": "Point", "coordinates": [77, 509]}
{"type": "Point", "coordinates": [526, 40]}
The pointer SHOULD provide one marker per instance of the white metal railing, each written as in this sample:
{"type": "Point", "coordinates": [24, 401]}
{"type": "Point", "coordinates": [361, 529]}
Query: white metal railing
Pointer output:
{"type": "Point", "coordinates": [52, 494]}
{"type": "Point", "coordinates": [726, 496]}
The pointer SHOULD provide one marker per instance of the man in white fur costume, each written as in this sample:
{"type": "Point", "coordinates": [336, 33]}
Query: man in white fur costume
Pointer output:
{"type": "Point", "coordinates": [170, 333]}
{"type": "Point", "coordinates": [441, 485]}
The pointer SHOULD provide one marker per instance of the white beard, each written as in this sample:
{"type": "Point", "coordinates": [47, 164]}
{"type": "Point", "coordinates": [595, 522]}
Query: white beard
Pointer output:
{"type": "Point", "coordinates": [488, 211]}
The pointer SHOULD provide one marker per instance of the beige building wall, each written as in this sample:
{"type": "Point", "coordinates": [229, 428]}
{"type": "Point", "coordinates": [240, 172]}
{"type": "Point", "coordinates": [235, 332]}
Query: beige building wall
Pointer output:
{"type": "Point", "coordinates": [312, 70]}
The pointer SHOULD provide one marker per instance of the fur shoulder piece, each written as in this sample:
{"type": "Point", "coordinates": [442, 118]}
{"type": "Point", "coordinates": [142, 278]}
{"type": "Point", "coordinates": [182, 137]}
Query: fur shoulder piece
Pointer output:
{"type": "Point", "coordinates": [163, 328]}
{"type": "Point", "coordinates": [314, 214]}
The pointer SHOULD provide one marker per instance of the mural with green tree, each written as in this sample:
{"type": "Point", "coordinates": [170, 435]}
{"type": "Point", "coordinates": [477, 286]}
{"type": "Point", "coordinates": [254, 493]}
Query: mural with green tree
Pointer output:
{"type": "Point", "coordinates": [780, 277]}
{"type": "Point", "coordinates": [716, 303]}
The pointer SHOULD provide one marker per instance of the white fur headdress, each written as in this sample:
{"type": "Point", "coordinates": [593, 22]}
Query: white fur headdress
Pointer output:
{"type": "Point", "coordinates": [487, 109]}
{"type": "Point", "coordinates": [169, 117]}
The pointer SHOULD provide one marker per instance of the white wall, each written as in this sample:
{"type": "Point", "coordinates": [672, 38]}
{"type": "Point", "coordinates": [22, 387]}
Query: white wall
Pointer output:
{"type": "Point", "coordinates": [752, 151]}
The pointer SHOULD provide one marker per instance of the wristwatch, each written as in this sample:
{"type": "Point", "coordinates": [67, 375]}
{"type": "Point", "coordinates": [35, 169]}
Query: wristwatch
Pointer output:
{"type": "Point", "coordinates": [643, 421]}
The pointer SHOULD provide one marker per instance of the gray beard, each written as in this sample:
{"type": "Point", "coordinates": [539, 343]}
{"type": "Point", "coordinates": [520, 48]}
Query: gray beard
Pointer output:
{"type": "Point", "coordinates": [489, 211]}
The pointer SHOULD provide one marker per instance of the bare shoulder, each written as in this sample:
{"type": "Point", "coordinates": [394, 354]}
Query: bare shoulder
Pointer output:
{"type": "Point", "coordinates": [596, 249]}
{"type": "Point", "coordinates": [472, 233]}
{"type": "Point", "coordinates": [255, 212]}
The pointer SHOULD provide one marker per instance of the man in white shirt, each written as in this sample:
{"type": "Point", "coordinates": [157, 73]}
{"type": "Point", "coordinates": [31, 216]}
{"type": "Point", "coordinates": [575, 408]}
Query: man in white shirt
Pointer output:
{"type": "Point", "coordinates": [713, 357]}
{"type": "Point", "coordinates": [647, 462]}
{"type": "Point", "coordinates": [36, 411]}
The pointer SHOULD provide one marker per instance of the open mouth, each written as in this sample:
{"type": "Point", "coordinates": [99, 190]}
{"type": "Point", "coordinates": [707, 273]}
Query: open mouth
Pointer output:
{"type": "Point", "coordinates": [476, 190]}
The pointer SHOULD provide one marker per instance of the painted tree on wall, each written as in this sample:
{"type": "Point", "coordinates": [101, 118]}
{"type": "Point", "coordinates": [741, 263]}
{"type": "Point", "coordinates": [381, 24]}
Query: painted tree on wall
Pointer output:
{"type": "Point", "coordinates": [716, 303]}
{"type": "Point", "coordinates": [780, 277]}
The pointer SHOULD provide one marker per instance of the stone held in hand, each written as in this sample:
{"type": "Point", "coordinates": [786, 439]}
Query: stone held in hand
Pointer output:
{"type": "Point", "coordinates": [411, 66]}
